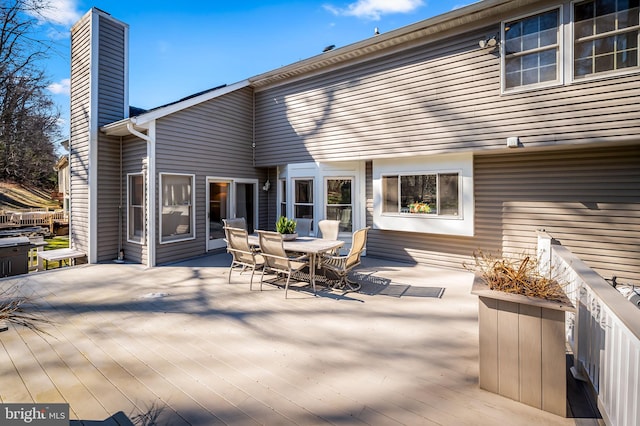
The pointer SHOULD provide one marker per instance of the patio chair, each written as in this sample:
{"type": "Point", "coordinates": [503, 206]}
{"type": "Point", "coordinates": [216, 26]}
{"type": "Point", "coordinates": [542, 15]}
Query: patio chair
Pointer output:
{"type": "Point", "coordinates": [303, 227]}
{"type": "Point", "coordinates": [328, 229]}
{"type": "Point", "coordinates": [276, 259]}
{"type": "Point", "coordinates": [243, 254]}
{"type": "Point", "coordinates": [340, 266]}
{"type": "Point", "coordinates": [238, 222]}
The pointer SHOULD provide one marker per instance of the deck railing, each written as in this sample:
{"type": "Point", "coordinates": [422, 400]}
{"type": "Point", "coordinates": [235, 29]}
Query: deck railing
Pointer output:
{"type": "Point", "coordinates": [604, 335]}
{"type": "Point", "coordinates": [31, 217]}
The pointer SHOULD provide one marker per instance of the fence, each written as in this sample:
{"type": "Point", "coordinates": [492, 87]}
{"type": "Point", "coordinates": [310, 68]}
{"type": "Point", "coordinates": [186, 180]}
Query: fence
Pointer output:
{"type": "Point", "coordinates": [604, 335]}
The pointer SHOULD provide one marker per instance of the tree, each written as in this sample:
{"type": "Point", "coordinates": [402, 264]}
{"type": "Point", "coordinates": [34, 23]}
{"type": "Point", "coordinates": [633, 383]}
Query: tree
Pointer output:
{"type": "Point", "coordinates": [28, 117]}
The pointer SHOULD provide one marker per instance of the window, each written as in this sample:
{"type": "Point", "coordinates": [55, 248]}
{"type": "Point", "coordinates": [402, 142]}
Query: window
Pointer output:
{"type": "Point", "coordinates": [531, 50]}
{"type": "Point", "coordinates": [176, 200]}
{"type": "Point", "coordinates": [339, 202]}
{"type": "Point", "coordinates": [605, 36]}
{"type": "Point", "coordinates": [303, 201]}
{"type": "Point", "coordinates": [135, 208]}
{"type": "Point", "coordinates": [283, 197]}
{"type": "Point", "coordinates": [424, 195]}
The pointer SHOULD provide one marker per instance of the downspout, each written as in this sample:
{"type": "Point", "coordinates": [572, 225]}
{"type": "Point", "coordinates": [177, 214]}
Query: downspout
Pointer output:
{"type": "Point", "coordinates": [120, 255]}
{"type": "Point", "coordinates": [253, 126]}
{"type": "Point", "coordinates": [151, 188]}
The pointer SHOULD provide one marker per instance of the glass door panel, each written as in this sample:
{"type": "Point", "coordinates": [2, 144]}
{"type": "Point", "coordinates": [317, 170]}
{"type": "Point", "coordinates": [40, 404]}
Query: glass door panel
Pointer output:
{"type": "Point", "coordinates": [219, 208]}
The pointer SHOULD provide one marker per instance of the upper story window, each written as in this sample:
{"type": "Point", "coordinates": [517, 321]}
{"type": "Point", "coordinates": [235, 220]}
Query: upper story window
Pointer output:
{"type": "Point", "coordinates": [532, 50]}
{"type": "Point", "coordinates": [605, 36]}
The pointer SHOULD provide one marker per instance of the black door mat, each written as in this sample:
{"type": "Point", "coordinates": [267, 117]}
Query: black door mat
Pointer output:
{"type": "Point", "coordinates": [372, 285]}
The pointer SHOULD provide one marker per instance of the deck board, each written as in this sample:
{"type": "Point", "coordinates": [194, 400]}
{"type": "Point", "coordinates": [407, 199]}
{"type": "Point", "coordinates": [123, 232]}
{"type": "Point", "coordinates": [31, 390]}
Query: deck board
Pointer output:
{"type": "Point", "coordinates": [210, 352]}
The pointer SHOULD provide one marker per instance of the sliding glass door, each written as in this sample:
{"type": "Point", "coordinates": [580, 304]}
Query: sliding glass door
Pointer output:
{"type": "Point", "coordinates": [226, 199]}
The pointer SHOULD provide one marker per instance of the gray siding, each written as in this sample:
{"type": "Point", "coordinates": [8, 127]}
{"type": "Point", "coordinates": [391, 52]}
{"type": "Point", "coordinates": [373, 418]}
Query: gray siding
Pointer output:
{"type": "Point", "coordinates": [210, 139]}
{"type": "Point", "coordinates": [109, 64]}
{"type": "Point", "coordinates": [435, 98]}
{"type": "Point", "coordinates": [111, 107]}
{"type": "Point", "coordinates": [134, 151]}
{"type": "Point", "coordinates": [111, 70]}
{"type": "Point", "coordinates": [109, 197]}
{"type": "Point", "coordinates": [79, 133]}
{"type": "Point", "coordinates": [589, 200]}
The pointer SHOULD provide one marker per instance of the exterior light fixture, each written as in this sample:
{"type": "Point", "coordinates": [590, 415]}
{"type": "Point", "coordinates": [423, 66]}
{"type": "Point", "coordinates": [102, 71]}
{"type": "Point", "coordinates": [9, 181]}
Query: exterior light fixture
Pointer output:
{"type": "Point", "coordinates": [488, 42]}
{"type": "Point", "coordinates": [513, 142]}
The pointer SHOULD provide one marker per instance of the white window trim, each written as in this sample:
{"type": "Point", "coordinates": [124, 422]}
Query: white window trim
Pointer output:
{"type": "Point", "coordinates": [144, 208]}
{"type": "Point", "coordinates": [193, 207]}
{"type": "Point", "coordinates": [596, 76]}
{"type": "Point", "coordinates": [292, 192]}
{"type": "Point", "coordinates": [462, 225]}
{"type": "Point", "coordinates": [325, 189]}
{"type": "Point", "coordinates": [320, 171]}
{"type": "Point", "coordinates": [560, 56]}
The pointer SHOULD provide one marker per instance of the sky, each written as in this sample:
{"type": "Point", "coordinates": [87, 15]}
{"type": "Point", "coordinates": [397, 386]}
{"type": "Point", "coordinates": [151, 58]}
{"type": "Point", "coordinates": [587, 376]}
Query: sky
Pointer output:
{"type": "Point", "coordinates": [178, 48]}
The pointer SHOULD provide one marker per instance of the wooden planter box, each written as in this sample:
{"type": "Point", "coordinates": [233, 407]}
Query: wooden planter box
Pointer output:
{"type": "Point", "coordinates": [522, 348]}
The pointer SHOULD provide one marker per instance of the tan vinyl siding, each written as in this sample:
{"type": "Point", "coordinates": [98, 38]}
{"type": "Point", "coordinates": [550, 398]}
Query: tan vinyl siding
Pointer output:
{"type": "Point", "coordinates": [79, 133]}
{"type": "Point", "coordinates": [111, 70]}
{"type": "Point", "coordinates": [210, 139]}
{"type": "Point", "coordinates": [433, 99]}
{"type": "Point", "coordinates": [588, 199]}
{"type": "Point", "coordinates": [109, 198]}
{"type": "Point", "coordinates": [111, 107]}
{"type": "Point", "coordinates": [134, 151]}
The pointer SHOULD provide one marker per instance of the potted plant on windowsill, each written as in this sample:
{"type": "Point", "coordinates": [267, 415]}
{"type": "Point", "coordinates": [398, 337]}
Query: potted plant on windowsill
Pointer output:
{"type": "Point", "coordinates": [521, 319]}
{"type": "Point", "coordinates": [287, 227]}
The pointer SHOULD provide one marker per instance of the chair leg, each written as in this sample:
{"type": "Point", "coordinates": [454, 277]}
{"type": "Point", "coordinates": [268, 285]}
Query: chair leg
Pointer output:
{"type": "Point", "coordinates": [253, 271]}
{"type": "Point", "coordinates": [230, 269]}
{"type": "Point", "coordinates": [262, 277]}
{"type": "Point", "coordinates": [286, 286]}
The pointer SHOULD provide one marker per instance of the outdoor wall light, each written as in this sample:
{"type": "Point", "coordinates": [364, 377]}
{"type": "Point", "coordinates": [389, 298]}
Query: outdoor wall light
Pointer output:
{"type": "Point", "coordinates": [488, 42]}
{"type": "Point", "coordinates": [266, 186]}
{"type": "Point", "coordinates": [513, 142]}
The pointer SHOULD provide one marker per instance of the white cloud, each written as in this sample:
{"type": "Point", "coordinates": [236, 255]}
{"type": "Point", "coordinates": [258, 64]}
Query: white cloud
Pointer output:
{"type": "Point", "coordinates": [58, 12]}
{"type": "Point", "coordinates": [60, 88]}
{"type": "Point", "coordinates": [374, 9]}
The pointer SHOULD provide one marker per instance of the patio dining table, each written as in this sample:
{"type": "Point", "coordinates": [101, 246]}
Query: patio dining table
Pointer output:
{"type": "Point", "coordinates": [313, 247]}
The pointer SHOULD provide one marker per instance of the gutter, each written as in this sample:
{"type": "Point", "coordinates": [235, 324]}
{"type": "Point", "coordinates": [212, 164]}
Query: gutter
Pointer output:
{"type": "Point", "coordinates": [151, 186]}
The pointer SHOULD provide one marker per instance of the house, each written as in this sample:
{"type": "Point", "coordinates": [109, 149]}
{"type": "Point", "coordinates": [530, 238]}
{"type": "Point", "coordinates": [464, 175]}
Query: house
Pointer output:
{"type": "Point", "coordinates": [62, 169]}
{"type": "Point", "coordinates": [467, 130]}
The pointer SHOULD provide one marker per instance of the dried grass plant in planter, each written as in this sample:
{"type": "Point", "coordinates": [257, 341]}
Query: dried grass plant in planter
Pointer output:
{"type": "Point", "coordinates": [519, 275]}
{"type": "Point", "coordinates": [521, 318]}
{"type": "Point", "coordinates": [18, 310]}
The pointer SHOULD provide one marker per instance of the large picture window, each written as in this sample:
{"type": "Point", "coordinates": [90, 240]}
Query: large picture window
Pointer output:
{"type": "Point", "coordinates": [424, 194]}
{"type": "Point", "coordinates": [176, 200]}
{"type": "Point", "coordinates": [531, 50]}
{"type": "Point", "coordinates": [605, 36]}
{"type": "Point", "coordinates": [135, 208]}
{"type": "Point", "coordinates": [421, 194]}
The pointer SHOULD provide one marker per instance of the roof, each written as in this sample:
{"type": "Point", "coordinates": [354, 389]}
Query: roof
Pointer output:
{"type": "Point", "coordinates": [405, 37]}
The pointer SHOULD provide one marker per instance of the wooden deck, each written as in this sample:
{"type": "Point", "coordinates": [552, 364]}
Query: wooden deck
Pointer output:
{"type": "Point", "coordinates": [179, 345]}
